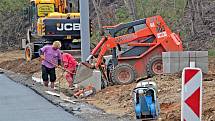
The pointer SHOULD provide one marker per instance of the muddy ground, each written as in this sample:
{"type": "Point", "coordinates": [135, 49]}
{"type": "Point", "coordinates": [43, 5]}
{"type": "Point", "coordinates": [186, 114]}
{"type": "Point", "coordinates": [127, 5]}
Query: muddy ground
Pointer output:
{"type": "Point", "coordinates": [117, 100]}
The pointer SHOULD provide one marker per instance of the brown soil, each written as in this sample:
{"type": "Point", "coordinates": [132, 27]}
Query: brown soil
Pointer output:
{"type": "Point", "coordinates": [11, 55]}
{"type": "Point", "coordinates": [15, 62]}
{"type": "Point", "coordinates": [118, 100]}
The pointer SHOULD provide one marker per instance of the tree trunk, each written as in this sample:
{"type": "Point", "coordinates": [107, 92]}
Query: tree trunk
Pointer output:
{"type": "Point", "coordinates": [130, 4]}
{"type": "Point", "coordinates": [98, 14]}
{"type": "Point", "coordinates": [192, 7]}
{"type": "Point", "coordinates": [133, 9]}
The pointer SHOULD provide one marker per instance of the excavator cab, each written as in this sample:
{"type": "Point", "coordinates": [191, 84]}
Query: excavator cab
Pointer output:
{"type": "Point", "coordinates": [39, 9]}
{"type": "Point", "coordinates": [52, 20]}
{"type": "Point", "coordinates": [43, 9]}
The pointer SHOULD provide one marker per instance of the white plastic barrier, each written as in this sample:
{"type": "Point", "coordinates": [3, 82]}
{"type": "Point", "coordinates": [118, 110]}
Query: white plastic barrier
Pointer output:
{"type": "Point", "coordinates": [191, 101]}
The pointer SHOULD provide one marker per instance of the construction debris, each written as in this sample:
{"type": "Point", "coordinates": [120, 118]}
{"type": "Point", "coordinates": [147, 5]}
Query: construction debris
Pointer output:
{"type": "Point", "coordinates": [52, 93]}
{"type": "Point", "coordinates": [61, 95]}
{"type": "Point", "coordinates": [85, 92]}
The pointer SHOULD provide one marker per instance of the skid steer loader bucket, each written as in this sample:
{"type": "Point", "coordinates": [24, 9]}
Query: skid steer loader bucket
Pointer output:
{"type": "Point", "coordinates": [83, 72]}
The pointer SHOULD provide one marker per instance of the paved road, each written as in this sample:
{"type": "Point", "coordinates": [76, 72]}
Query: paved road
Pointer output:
{"type": "Point", "coordinates": [18, 103]}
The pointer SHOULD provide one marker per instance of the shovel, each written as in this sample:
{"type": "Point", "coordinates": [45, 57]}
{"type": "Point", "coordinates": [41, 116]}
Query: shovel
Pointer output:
{"type": "Point", "coordinates": [83, 72]}
{"type": "Point", "coordinates": [59, 67]}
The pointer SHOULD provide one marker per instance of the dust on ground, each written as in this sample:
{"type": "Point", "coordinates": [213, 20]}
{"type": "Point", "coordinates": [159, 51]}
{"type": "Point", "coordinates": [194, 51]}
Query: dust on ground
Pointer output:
{"type": "Point", "coordinates": [117, 99]}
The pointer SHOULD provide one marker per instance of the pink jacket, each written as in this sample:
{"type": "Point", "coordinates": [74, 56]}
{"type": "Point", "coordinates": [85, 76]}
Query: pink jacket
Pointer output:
{"type": "Point", "coordinates": [69, 61]}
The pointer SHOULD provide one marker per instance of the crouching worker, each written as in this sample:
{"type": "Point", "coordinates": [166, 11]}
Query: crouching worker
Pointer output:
{"type": "Point", "coordinates": [70, 64]}
{"type": "Point", "coordinates": [51, 57]}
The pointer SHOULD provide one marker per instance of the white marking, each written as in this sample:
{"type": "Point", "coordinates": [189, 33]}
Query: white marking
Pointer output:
{"type": "Point", "coordinates": [162, 34]}
{"type": "Point", "coordinates": [191, 86]}
{"type": "Point", "coordinates": [187, 90]}
{"type": "Point", "coordinates": [189, 115]}
{"type": "Point", "coordinates": [192, 64]}
{"type": "Point", "coordinates": [152, 24]}
{"type": "Point", "coordinates": [69, 27]}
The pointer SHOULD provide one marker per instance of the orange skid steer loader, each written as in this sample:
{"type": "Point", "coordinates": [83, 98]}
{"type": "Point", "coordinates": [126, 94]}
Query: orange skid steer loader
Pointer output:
{"type": "Point", "coordinates": [136, 49]}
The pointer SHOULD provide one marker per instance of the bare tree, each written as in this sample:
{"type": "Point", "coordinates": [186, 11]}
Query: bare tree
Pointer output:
{"type": "Point", "coordinates": [131, 5]}
{"type": "Point", "coordinates": [97, 5]}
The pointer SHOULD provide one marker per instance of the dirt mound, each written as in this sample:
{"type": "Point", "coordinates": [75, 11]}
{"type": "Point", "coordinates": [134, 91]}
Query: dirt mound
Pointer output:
{"type": "Point", "coordinates": [118, 99]}
{"type": "Point", "coordinates": [115, 99]}
{"type": "Point", "coordinates": [21, 66]}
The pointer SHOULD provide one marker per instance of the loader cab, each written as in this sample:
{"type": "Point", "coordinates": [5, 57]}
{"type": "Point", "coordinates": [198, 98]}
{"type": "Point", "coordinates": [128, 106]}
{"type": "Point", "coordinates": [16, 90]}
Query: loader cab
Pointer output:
{"type": "Point", "coordinates": [125, 28]}
{"type": "Point", "coordinates": [125, 31]}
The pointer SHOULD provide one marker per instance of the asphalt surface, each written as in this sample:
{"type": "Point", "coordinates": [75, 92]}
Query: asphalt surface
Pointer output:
{"type": "Point", "coordinates": [19, 103]}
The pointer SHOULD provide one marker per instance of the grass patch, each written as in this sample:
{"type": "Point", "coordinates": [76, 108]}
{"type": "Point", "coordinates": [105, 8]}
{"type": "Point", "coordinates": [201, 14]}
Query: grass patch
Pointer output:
{"type": "Point", "coordinates": [211, 53]}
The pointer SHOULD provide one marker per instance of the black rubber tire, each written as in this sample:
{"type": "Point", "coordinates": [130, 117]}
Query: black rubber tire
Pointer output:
{"type": "Point", "coordinates": [149, 66]}
{"type": "Point", "coordinates": [116, 71]}
{"type": "Point", "coordinates": [29, 52]}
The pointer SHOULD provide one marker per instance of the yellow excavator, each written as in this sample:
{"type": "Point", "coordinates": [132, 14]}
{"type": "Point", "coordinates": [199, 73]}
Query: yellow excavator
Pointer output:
{"type": "Point", "coordinates": [52, 20]}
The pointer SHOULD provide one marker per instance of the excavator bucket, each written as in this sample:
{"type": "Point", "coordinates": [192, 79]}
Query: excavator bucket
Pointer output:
{"type": "Point", "coordinates": [83, 72]}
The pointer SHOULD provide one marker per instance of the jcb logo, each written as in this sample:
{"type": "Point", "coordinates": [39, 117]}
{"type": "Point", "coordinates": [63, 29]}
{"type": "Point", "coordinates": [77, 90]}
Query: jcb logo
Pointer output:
{"type": "Point", "coordinates": [68, 26]}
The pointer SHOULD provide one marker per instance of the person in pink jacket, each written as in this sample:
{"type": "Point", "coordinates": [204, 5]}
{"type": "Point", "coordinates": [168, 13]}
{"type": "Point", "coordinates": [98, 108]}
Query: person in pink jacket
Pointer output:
{"type": "Point", "coordinates": [70, 64]}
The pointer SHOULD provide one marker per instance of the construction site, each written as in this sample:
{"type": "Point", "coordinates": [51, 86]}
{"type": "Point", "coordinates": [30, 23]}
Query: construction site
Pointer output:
{"type": "Point", "coordinates": [131, 58]}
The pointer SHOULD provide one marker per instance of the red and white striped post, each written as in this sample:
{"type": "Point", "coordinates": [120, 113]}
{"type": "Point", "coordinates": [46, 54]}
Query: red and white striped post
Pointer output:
{"type": "Point", "coordinates": [191, 101]}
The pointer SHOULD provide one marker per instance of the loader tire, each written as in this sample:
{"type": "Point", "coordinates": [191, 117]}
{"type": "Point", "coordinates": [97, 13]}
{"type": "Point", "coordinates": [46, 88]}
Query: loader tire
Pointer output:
{"type": "Point", "coordinates": [29, 52]}
{"type": "Point", "coordinates": [154, 66]}
{"type": "Point", "coordinates": [123, 74]}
